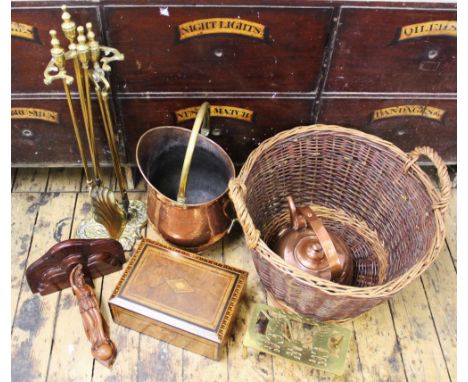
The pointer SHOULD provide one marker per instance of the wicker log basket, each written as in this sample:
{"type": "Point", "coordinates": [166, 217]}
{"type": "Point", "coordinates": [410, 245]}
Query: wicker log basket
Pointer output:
{"type": "Point", "coordinates": [366, 190]}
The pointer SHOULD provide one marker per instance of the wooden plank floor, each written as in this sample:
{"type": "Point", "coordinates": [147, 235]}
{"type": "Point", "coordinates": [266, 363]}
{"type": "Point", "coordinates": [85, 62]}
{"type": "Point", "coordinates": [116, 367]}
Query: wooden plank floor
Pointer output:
{"type": "Point", "coordinates": [410, 338]}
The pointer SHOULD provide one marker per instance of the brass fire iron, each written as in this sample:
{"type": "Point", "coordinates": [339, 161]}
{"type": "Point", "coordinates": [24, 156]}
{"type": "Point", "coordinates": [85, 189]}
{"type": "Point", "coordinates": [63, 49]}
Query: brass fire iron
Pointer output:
{"type": "Point", "coordinates": [109, 218]}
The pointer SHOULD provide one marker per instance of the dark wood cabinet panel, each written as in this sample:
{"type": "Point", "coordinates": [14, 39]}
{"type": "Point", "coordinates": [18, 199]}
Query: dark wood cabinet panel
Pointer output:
{"type": "Point", "coordinates": [265, 67]}
{"type": "Point", "coordinates": [30, 44]}
{"type": "Point", "coordinates": [42, 133]}
{"type": "Point", "coordinates": [218, 49]}
{"type": "Point", "coordinates": [394, 50]}
{"type": "Point", "coordinates": [238, 125]}
{"type": "Point", "coordinates": [405, 122]}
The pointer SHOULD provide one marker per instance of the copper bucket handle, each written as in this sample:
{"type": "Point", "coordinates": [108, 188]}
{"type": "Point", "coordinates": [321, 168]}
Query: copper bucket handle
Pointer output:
{"type": "Point", "coordinates": [202, 121]}
{"type": "Point", "coordinates": [336, 268]}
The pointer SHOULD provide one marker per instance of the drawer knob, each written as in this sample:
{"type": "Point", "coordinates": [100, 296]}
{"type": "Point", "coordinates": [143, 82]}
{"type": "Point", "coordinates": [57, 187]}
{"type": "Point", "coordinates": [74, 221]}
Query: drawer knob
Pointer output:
{"type": "Point", "coordinates": [216, 132]}
{"type": "Point", "coordinates": [433, 53]}
{"type": "Point", "coordinates": [219, 53]}
{"type": "Point", "coordinates": [27, 133]}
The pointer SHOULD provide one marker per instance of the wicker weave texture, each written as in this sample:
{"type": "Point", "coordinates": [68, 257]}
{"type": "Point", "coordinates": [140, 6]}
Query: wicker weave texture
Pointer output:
{"type": "Point", "coordinates": [367, 191]}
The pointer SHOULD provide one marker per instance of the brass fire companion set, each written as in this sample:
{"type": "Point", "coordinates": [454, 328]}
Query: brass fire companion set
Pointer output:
{"type": "Point", "coordinates": [324, 242]}
{"type": "Point", "coordinates": [122, 221]}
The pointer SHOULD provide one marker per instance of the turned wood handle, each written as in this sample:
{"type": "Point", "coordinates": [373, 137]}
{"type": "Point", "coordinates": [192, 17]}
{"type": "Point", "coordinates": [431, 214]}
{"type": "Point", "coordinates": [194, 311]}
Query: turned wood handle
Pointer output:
{"type": "Point", "coordinates": [102, 348]}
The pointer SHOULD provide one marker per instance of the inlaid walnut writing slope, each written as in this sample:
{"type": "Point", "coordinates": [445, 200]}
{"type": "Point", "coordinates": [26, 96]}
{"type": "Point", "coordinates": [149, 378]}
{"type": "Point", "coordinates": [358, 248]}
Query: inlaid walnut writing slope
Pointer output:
{"type": "Point", "coordinates": [181, 298]}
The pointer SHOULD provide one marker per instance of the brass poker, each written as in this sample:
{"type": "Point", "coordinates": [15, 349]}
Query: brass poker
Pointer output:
{"type": "Point", "coordinates": [82, 51]}
{"type": "Point", "coordinates": [69, 30]}
{"type": "Point", "coordinates": [58, 62]}
{"type": "Point", "coordinates": [98, 76]}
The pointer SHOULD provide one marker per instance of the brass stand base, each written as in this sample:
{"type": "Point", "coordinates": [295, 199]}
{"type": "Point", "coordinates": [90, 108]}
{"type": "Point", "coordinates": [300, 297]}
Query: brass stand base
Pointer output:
{"type": "Point", "coordinates": [91, 229]}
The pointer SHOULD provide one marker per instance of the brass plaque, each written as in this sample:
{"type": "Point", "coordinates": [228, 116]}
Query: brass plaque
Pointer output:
{"type": "Point", "coordinates": [32, 113]}
{"type": "Point", "coordinates": [233, 112]}
{"type": "Point", "coordinates": [428, 112]}
{"type": "Point", "coordinates": [25, 31]}
{"type": "Point", "coordinates": [212, 26]}
{"type": "Point", "coordinates": [320, 345]}
{"type": "Point", "coordinates": [430, 28]}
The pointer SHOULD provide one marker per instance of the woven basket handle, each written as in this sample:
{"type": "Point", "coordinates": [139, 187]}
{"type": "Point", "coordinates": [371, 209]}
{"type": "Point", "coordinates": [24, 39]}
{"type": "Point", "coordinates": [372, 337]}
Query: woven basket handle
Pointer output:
{"type": "Point", "coordinates": [445, 184]}
{"type": "Point", "coordinates": [237, 191]}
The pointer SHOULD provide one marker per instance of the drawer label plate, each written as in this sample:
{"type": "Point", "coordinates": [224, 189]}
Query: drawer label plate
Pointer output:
{"type": "Point", "coordinates": [428, 112]}
{"type": "Point", "coordinates": [430, 28]}
{"type": "Point", "coordinates": [25, 31]}
{"type": "Point", "coordinates": [233, 112]}
{"type": "Point", "coordinates": [204, 27]}
{"type": "Point", "coordinates": [32, 113]}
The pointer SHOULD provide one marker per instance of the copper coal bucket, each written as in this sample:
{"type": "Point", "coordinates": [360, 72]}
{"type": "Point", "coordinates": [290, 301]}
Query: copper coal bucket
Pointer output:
{"type": "Point", "coordinates": [187, 176]}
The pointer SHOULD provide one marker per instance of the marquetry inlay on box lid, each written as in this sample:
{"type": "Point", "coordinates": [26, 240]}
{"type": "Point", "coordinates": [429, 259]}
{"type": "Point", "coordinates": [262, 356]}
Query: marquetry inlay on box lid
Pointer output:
{"type": "Point", "coordinates": [182, 290]}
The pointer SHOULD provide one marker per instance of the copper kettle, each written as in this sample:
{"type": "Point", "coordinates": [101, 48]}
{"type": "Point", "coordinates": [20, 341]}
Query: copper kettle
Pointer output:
{"type": "Point", "coordinates": [310, 247]}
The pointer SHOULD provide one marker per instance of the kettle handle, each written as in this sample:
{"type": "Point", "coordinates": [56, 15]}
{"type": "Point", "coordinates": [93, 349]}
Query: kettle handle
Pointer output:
{"type": "Point", "coordinates": [336, 268]}
{"type": "Point", "coordinates": [201, 122]}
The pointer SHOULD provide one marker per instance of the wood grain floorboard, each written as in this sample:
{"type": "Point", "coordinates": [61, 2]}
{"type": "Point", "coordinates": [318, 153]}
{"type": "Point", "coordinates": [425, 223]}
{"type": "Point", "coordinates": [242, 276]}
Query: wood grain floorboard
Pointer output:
{"type": "Point", "coordinates": [422, 356]}
{"type": "Point", "coordinates": [34, 325]}
{"type": "Point", "coordinates": [440, 285]}
{"type": "Point", "coordinates": [31, 180]}
{"type": "Point", "coordinates": [24, 212]}
{"type": "Point", "coordinates": [378, 347]}
{"type": "Point", "coordinates": [14, 171]}
{"type": "Point", "coordinates": [412, 338]}
{"type": "Point", "coordinates": [65, 180]}
{"type": "Point", "coordinates": [451, 227]}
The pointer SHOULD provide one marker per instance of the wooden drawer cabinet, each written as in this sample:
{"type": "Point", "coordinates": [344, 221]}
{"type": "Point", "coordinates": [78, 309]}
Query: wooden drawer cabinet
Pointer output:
{"type": "Point", "coordinates": [30, 44]}
{"type": "Point", "coordinates": [394, 50]}
{"type": "Point", "coordinates": [388, 68]}
{"type": "Point", "coordinates": [42, 132]}
{"type": "Point", "coordinates": [405, 122]}
{"type": "Point", "coordinates": [218, 49]}
{"type": "Point", "coordinates": [238, 125]}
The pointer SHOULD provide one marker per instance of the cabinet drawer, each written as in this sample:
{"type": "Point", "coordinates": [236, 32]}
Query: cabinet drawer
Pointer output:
{"type": "Point", "coordinates": [405, 122]}
{"type": "Point", "coordinates": [243, 49]}
{"type": "Point", "coordinates": [42, 134]}
{"type": "Point", "coordinates": [30, 44]}
{"type": "Point", "coordinates": [394, 51]}
{"type": "Point", "coordinates": [237, 125]}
